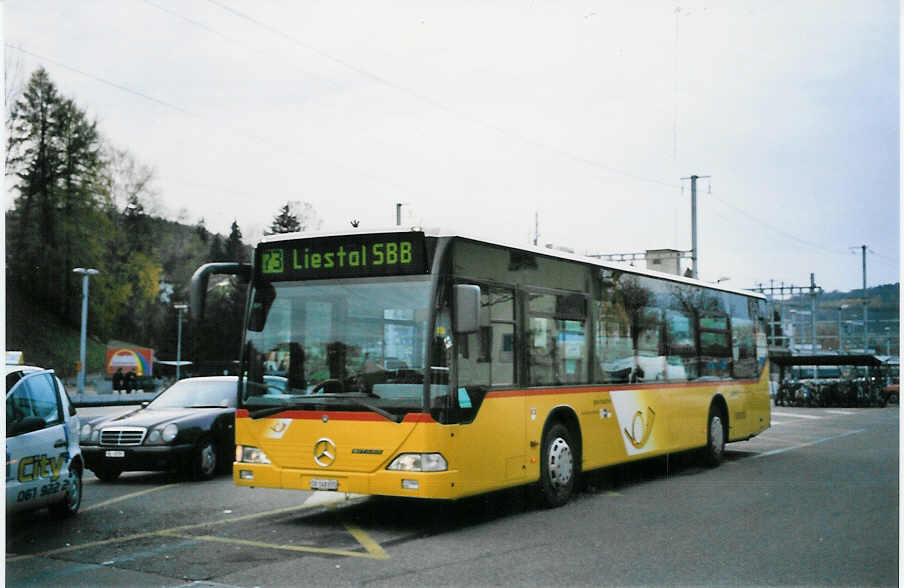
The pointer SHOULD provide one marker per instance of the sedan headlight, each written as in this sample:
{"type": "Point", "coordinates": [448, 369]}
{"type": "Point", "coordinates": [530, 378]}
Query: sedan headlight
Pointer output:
{"type": "Point", "coordinates": [169, 432]}
{"type": "Point", "coordinates": [419, 462]}
{"type": "Point", "coordinates": [162, 434]}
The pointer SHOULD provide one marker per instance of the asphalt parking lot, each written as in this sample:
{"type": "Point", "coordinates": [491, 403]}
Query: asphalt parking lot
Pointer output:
{"type": "Point", "coordinates": [813, 500]}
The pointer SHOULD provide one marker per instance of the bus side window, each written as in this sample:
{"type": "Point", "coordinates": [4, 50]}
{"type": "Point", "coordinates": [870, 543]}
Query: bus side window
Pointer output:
{"type": "Point", "coordinates": [557, 339]}
{"type": "Point", "coordinates": [715, 346]}
{"type": "Point", "coordinates": [614, 360]}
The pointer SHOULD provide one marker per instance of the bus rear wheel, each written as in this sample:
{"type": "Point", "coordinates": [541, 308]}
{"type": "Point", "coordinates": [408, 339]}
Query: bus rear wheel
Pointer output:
{"type": "Point", "coordinates": [557, 466]}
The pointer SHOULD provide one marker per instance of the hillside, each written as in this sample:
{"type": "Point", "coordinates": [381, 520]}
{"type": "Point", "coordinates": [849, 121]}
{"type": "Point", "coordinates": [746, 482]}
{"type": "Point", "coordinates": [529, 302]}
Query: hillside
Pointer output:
{"type": "Point", "coordinates": [49, 342]}
{"type": "Point", "coordinates": [46, 341]}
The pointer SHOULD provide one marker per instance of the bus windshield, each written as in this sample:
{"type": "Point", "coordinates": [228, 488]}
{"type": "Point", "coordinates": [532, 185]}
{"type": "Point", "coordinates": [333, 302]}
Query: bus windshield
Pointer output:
{"type": "Point", "coordinates": [355, 344]}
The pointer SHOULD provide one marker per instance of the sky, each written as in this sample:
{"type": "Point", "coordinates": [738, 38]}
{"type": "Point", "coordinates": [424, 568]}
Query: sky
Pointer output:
{"type": "Point", "coordinates": [496, 117]}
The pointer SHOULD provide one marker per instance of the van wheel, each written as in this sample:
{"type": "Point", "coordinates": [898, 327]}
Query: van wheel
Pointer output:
{"type": "Point", "coordinates": [557, 466]}
{"type": "Point", "coordinates": [715, 437]}
{"type": "Point", "coordinates": [71, 502]}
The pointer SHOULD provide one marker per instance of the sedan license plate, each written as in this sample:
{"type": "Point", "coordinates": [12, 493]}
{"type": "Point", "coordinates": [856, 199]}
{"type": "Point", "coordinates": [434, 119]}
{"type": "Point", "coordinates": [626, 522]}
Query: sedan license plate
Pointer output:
{"type": "Point", "coordinates": [114, 453]}
{"type": "Point", "coordinates": [324, 484]}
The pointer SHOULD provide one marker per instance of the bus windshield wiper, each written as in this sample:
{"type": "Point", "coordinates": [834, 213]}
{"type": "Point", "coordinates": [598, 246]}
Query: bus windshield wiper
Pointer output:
{"type": "Point", "coordinates": [382, 412]}
{"type": "Point", "coordinates": [269, 411]}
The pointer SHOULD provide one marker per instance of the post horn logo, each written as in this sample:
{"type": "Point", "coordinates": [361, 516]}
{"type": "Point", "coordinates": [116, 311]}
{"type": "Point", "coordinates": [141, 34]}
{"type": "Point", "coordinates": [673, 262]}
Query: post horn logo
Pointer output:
{"type": "Point", "coordinates": [324, 452]}
{"type": "Point", "coordinates": [641, 430]}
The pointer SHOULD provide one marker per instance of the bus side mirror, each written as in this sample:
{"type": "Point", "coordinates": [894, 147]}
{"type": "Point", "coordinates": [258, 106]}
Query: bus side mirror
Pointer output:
{"type": "Point", "coordinates": [201, 276]}
{"type": "Point", "coordinates": [467, 308]}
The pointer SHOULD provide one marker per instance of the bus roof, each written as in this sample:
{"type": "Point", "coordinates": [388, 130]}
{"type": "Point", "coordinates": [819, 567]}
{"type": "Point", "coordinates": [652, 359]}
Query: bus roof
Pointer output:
{"type": "Point", "coordinates": [549, 252]}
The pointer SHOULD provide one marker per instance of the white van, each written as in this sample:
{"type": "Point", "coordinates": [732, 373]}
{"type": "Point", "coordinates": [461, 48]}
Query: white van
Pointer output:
{"type": "Point", "coordinates": [43, 461]}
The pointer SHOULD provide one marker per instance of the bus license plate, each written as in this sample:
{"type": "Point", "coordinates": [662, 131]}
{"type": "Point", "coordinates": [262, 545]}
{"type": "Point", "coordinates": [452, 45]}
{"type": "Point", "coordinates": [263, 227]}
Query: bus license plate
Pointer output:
{"type": "Point", "coordinates": [324, 484]}
{"type": "Point", "coordinates": [115, 453]}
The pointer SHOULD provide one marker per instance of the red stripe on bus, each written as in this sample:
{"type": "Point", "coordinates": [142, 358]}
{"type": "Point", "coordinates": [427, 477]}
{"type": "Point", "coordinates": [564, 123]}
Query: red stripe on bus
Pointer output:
{"type": "Point", "coordinates": [610, 387]}
{"type": "Point", "coordinates": [316, 415]}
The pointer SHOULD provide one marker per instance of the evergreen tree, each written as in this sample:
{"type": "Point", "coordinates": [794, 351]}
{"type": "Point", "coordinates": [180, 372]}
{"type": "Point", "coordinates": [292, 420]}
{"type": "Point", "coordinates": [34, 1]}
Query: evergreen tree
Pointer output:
{"type": "Point", "coordinates": [233, 248]}
{"type": "Point", "coordinates": [295, 217]}
{"type": "Point", "coordinates": [53, 152]}
{"type": "Point", "coordinates": [217, 340]}
{"type": "Point", "coordinates": [136, 224]}
{"type": "Point", "coordinates": [80, 203]}
{"type": "Point", "coordinates": [82, 221]}
{"type": "Point", "coordinates": [201, 230]}
{"type": "Point", "coordinates": [284, 222]}
{"type": "Point", "coordinates": [33, 159]}
{"type": "Point", "coordinates": [216, 252]}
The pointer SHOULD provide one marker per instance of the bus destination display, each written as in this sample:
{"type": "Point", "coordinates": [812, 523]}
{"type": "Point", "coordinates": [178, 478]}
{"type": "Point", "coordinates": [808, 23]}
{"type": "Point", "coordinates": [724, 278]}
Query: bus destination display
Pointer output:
{"type": "Point", "coordinates": [386, 254]}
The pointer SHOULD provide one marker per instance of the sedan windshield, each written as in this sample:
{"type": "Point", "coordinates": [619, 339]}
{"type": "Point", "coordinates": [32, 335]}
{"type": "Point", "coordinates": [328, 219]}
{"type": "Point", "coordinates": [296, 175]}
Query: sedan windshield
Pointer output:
{"type": "Point", "coordinates": [196, 394]}
{"type": "Point", "coordinates": [356, 344]}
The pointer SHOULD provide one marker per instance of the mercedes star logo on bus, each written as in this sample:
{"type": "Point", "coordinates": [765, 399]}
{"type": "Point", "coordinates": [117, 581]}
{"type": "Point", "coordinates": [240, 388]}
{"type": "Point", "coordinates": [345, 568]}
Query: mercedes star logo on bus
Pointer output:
{"type": "Point", "coordinates": [324, 452]}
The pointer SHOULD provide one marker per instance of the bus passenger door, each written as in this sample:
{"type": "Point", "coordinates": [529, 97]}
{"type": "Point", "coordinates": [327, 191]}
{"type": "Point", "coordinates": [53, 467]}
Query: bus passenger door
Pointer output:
{"type": "Point", "coordinates": [491, 449]}
{"type": "Point", "coordinates": [492, 438]}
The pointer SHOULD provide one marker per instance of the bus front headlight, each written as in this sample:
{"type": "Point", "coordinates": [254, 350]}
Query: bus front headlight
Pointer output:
{"type": "Point", "coordinates": [249, 454]}
{"type": "Point", "coordinates": [419, 462]}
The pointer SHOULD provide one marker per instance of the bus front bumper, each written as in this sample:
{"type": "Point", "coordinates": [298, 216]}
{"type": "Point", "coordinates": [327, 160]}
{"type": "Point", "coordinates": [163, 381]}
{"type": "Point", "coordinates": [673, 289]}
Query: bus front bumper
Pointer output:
{"type": "Point", "coordinates": [440, 485]}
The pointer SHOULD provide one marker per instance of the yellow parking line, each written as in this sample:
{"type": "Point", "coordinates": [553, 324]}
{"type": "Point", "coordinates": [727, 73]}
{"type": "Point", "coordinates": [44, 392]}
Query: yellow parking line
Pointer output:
{"type": "Point", "coordinates": [153, 533]}
{"type": "Point", "coordinates": [81, 546]}
{"type": "Point", "coordinates": [263, 545]}
{"type": "Point", "coordinates": [372, 547]}
{"type": "Point", "coordinates": [126, 497]}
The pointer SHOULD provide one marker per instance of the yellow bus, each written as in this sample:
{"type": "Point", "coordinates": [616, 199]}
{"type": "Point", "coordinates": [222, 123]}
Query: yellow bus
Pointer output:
{"type": "Point", "coordinates": [433, 365]}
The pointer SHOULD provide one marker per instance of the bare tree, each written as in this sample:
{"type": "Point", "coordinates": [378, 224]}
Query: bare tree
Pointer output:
{"type": "Point", "coordinates": [13, 81]}
{"type": "Point", "coordinates": [131, 183]}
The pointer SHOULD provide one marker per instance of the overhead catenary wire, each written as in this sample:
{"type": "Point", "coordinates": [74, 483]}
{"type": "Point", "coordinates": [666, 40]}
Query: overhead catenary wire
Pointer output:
{"type": "Point", "coordinates": [587, 161]}
{"type": "Point", "coordinates": [101, 80]}
{"type": "Point", "coordinates": [267, 140]}
{"type": "Point", "coordinates": [414, 94]}
{"type": "Point", "coordinates": [756, 220]}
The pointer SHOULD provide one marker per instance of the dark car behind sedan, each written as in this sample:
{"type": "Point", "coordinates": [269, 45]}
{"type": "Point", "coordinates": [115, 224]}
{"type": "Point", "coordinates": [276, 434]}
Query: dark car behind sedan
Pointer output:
{"type": "Point", "coordinates": [189, 427]}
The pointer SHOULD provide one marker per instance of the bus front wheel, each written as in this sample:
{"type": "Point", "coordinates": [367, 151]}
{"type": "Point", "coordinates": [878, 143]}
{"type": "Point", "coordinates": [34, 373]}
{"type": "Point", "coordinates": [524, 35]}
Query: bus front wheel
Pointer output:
{"type": "Point", "coordinates": [557, 466]}
{"type": "Point", "coordinates": [715, 437]}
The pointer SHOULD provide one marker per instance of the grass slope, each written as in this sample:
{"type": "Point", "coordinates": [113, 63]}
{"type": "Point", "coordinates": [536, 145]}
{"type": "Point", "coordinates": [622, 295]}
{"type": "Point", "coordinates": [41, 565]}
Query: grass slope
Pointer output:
{"type": "Point", "coordinates": [46, 341]}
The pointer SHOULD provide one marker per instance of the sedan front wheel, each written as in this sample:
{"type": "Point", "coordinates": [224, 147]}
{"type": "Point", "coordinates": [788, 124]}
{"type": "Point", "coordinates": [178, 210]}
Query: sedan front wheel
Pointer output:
{"type": "Point", "coordinates": [206, 460]}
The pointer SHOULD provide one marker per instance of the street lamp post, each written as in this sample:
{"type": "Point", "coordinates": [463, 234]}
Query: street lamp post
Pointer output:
{"type": "Point", "coordinates": [179, 308]}
{"type": "Point", "coordinates": [86, 273]}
